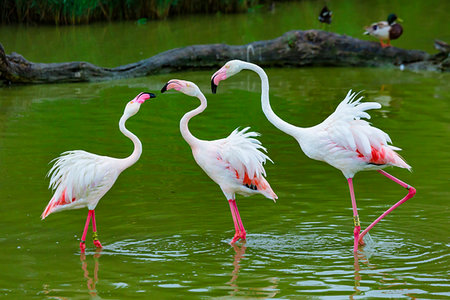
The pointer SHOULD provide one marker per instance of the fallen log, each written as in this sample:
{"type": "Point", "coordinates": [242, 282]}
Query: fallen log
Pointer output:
{"type": "Point", "coordinates": [294, 49]}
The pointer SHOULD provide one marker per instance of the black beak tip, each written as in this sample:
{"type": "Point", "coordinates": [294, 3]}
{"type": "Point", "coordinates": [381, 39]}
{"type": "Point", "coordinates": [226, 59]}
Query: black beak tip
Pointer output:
{"type": "Point", "coordinates": [164, 88]}
{"type": "Point", "coordinates": [213, 86]}
{"type": "Point", "coordinates": [151, 95]}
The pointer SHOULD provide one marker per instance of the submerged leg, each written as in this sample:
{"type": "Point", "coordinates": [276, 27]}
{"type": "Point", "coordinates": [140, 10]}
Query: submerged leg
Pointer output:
{"type": "Point", "coordinates": [411, 193]}
{"type": "Point", "coordinates": [355, 216]}
{"type": "Point", "coordinates": [83, 237]}
{"type": "Point", "coordinates": [236, 224]}
{"type": "Point", "coordinates": [94, 228]}
{"type": "Point", "coordinates": [243, 234]}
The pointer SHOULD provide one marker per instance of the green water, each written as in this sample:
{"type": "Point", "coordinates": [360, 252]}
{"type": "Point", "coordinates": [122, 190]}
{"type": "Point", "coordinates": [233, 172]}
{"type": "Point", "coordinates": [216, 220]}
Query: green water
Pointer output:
{"type": "Point", "coordinates": [165, 225]}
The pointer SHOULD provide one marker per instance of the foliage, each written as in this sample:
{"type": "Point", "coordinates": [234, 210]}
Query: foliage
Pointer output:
{"type": "Point", "coordinates": [85, 11]}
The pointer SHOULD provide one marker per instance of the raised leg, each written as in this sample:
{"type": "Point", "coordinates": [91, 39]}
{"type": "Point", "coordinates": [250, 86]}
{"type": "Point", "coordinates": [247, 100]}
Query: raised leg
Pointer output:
{"type": "Point", "coordinates": [94, 228]}
{"type": "Point", "coordinates": [411, 193]}
{"type": "Point", "coordinates": [83, 237]}
{"type": "Point", "coordinates": [355, 216]}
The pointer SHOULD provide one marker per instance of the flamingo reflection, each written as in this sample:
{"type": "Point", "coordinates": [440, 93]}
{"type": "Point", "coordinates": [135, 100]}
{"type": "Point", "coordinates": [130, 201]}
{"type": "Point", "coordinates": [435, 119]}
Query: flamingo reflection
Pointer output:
{"type": "Point", "coordinates": [236, 291]}
{"type": "Point", "coordinates": [91, 281]}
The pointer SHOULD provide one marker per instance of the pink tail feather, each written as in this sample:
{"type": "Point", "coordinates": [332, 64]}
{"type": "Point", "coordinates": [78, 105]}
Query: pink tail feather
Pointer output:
{"type": "Point", "coordinates": [48, 210]}
{"type": "Point", "coordinates": [54, 203]}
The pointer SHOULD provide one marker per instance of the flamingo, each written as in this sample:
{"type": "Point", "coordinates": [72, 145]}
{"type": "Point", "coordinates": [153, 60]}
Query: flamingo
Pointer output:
{"type": "Point", "coordinates": [80, 179]}
{"type": "Point", "coordinates": [343, 140]}
{"type": "Point", "coordinates": [235, 163]}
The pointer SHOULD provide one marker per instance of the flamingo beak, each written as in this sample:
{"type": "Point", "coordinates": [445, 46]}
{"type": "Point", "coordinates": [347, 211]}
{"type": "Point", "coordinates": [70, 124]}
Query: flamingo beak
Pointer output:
{"type": "Point", "coordinates": [164, 88]}
{"type": "Point", "coordinates": [144, 96]}
{"type": "Point", "coordinates": [213, 85]}
{"type": "Point", "coordinates": [216, 78]}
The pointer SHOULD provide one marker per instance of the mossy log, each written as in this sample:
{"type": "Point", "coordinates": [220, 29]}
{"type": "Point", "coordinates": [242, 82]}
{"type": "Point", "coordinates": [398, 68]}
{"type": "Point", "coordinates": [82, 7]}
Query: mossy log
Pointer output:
{"type": "Point", "coordinates": [293, 49]}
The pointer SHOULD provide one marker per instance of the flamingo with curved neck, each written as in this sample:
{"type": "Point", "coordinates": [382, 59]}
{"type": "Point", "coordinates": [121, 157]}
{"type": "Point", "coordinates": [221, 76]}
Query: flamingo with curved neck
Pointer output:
{"type": "Point", "coordinates": [235, 163]}
{"type": "Point", "coordinates": [80, 179]}
{"type": "Point", "coordinates": [344, 140]}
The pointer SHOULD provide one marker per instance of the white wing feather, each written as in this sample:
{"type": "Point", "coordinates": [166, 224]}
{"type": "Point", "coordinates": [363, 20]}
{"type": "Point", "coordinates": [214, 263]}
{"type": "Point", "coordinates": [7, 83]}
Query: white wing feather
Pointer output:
{"type": "Point", "coordinates": [347, 129]}
{"type": "Point", "coordinates": [80, 174]}
{"type": "Point", "coordinates": [244, 153]}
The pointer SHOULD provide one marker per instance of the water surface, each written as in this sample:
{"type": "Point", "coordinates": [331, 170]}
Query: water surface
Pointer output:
{"type": "Point", "coordinates": [166, 226]}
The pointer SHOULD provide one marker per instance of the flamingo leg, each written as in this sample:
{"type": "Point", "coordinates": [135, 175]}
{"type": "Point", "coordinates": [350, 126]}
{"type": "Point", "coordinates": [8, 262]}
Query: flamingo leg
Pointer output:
{"type": "Point", "coordinates": [241, 225]}
{"type": "Point", "coordinates": [238, 225]}
{"type": "Point", "coordinates": [83, 237]}
{"type": "Point", "coordinates": [94, 229]}
{"type": "Point", "coordinates": [357, 229]}
{"type": "Point", "coordinates": [411, 193]}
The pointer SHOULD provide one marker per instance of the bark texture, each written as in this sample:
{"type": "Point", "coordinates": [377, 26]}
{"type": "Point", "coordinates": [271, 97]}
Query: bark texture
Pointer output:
{"type": "Point", "coordinates": [294, 48]}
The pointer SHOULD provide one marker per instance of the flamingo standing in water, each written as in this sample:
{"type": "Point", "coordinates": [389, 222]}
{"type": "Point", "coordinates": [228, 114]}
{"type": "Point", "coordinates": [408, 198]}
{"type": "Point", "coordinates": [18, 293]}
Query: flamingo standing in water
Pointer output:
{"type": "Point", "coordinates": [235, 163]}
{"type": "Point", "coordinates": [80, 179]}
{"type": "Point", "coordinates": [343, 140]}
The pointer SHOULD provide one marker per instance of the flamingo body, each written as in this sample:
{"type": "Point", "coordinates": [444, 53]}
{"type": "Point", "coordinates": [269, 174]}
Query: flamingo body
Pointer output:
{"type": "Point", "coordinates": [349, 143]}
{"type": "Point", "coordinates": [344, 140]}
{"type": "Point", "coordinates": [80, 179]}
{"type": "Point", "coordinates": [235, 163]}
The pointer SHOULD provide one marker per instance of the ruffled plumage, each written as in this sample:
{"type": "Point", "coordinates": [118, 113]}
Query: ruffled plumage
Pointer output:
{"type": "Point", "coordinates": [79, 178]}
{"type": "Point", "coordinates": [243, 151]}
{"type": "Point", "coordinates": [344, 136]}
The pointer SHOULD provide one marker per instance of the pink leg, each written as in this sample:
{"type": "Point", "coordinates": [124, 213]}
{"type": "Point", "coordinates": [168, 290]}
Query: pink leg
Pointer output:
{"type": "Point", "coordinates": [411, 193]}
{"type": "Point", "coordinates": [83, 237]}
{"type": "Point", "coordinates": [94, 228]}
{"type": "Point", "coordinates": [241, 225]}
{"type": "Point", "coordinates": [355, 216]}
{"type": "Point", "coordinates": [236, 224]}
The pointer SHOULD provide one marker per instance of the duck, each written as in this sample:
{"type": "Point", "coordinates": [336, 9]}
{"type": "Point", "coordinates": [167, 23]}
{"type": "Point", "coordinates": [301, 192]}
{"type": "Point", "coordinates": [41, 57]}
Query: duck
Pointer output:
{"type": "Point", "coordinates": [385, 31]}
{"type": "Point", "coordinates": [325, 15]}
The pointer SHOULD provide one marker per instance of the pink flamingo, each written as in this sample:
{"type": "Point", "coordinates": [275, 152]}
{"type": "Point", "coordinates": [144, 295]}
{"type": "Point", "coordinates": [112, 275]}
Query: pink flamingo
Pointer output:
{"type": "Point", "coordinates": [235, 163]}
{"type": "Point", "coordinates": [343, 140]}
{"type": "Point", "coordinates": [80, 179]}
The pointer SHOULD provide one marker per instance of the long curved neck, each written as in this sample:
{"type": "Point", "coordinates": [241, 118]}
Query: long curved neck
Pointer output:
{"type": "Point", "coordinates": [267, 109]}
{"type": "Point", "coordinates": [130, 160]}
{"type": "Point", "coordinates": [187, 135]}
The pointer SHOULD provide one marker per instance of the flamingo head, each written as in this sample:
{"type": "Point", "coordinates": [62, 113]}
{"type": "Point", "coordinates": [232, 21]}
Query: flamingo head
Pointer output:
{"type": "Point", "coordinates": [229, 69]}
{"type": "Point", "coordinates": [133, 106]}
{"type": "Point", "coordinates": [186, 87]}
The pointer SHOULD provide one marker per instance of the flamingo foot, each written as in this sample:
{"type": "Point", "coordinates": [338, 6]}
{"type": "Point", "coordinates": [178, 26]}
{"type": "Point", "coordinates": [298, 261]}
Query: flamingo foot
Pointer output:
{"type": "Point", "coordinates": [82, 246]}
{"type": "Point", "coordinates": [98, 244]}
{"type": "Point", "coordinates": [96, 241]}
{"type": "Point", "coordinates": [238, 236]}
{"type": "Point", "coordinates": [235, 238]}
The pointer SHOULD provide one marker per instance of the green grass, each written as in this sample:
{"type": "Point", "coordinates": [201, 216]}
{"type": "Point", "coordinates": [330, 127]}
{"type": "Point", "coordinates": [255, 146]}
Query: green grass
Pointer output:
{"type": "Point", "coordinates": [86, 11]}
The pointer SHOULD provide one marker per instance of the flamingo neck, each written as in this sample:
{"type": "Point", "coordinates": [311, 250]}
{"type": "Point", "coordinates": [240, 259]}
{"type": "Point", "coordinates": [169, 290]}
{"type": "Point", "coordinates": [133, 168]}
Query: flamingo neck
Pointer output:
{"type": "Point", "coordinates": [267, 109]}
{"type": "Point", "coordinates": [184, 129]}
{"type": "Point", "coordinates": [130, 160]}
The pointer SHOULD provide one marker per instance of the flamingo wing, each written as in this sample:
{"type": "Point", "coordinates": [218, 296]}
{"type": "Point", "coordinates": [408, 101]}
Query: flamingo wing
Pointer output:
{"type": "Point", "coordinates": [244, 155]}
{"type": "Point", "coordinates": [77, 176]}
{"type": "Point", "coordinates": [350, 135]}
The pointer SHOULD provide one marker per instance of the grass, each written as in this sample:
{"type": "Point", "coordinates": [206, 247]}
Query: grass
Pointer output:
{"type": "Point", "coordinates": [86, 11]}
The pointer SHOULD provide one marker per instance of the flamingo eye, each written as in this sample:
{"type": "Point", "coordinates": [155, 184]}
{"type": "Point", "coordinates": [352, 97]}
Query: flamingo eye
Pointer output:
{"type": "Point", "coordinates": [227, 66]}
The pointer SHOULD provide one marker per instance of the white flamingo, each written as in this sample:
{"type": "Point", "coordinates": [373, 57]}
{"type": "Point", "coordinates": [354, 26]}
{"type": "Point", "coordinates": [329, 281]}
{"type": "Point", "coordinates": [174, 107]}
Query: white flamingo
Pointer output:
{"type": "Point", "coordinates": [80, 179]}
{"type": "Point", "coordinates": [235, 163]}
{"type": "Point", "coordinates": [343, 140]}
